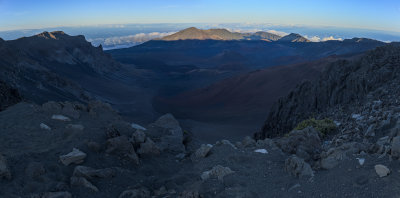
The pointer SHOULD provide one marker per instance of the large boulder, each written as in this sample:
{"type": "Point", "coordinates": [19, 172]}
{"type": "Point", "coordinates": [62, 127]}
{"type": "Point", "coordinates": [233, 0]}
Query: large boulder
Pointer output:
{"type": "Point", "coordinates": [122, 146]}
{"type": "Point", "coordinates": [167, 134]}
{"type": "Point", "coordinates": [304, 143]}
{"type": "Point", "coordinates": [298, 167]}
{"type": "Point", "coordinates": [201, 152]}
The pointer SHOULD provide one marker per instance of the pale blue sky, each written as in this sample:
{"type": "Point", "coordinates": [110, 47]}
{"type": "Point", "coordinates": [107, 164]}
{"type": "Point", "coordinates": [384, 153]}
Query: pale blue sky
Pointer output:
{"type": "Point", "coordinates": [369, 14]}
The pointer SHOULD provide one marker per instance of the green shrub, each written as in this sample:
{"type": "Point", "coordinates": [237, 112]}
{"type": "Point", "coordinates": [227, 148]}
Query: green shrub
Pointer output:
{"type": "Point", "coordinates": [324, 126]}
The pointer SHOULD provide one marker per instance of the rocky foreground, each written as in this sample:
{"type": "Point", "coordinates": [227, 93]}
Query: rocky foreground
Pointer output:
{"type": "Point", "coordinates": [74, 150]}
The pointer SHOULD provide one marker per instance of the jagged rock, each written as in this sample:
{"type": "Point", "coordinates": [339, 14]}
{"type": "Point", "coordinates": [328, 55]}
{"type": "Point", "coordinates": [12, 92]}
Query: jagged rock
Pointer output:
{"type": "Point", "coordinates": [395, 147]}
{"type": "Point", "coordinates": [248, 142]}
{"type": "Point", "coordinates": [298, 167]}
{"type": "Point", "coordinates": [5, 172]}
{"type": "Point", "coordinates": [112, 132]}
{"type": "Point", "coordinates": [60, 118]}
{"type": "Point", "coordinates": [139, 136]}
{"type": "Point", "coordinates": [81, 181]}
{"type": "Point", "coordinates": [370, 131]}
{"type": "Point", "coordinates": [88, 172]}
{"type": "Point", "coordinates": [44, 126]}
{"type": "Point", "coordinates": [148, 148]}
{"type": "Point", "coordinates": [304, 143]}
{"type": "Point", "coordinates": [167, 133]}
{"type": "Point", "coordinates": [35, 169]}
{"type": "Point", "coordinates": [76, 157]}
{"type": "Point", "coordinates": [78, 127]}
{"type": "Point", "coordinates": [135, 193]}
{"type": "Point", "coordinates": [122, 146]}
{"type": "Point", "coordinates": [57, 195]}
{"type": "Point", "coordinates": [201, 152]}
{"type": "Point", "coordinates": [216, 172]}
{"type": "Point", "coordinates": [138, 127]}
{"type": "Point", "coordinates": [382, 170]}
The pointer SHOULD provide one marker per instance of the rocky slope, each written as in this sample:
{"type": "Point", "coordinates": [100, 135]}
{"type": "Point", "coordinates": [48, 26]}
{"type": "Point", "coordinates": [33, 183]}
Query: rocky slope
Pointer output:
{"type": "Point", "coordinates": [8, 96]}
{"type": "Point", "coordinates": [344, 87]}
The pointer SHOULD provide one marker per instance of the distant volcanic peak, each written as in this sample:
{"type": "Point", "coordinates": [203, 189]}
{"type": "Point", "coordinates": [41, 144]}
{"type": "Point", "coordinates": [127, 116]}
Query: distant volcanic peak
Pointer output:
{"type": "Point", "coordinates": [359, 40]}
{"type": "Point", "coordinates": [294, 37]}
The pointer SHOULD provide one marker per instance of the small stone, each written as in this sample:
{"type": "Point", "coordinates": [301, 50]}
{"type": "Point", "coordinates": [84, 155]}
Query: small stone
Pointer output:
{"type": "Point", "coordinates": [216, 172]}
{"type": "Point", "coordinates": [81, 181]}
{"type": "Point", "coordinates": [201, 152]}
{"type": "Point", "coordinates": [44, 126]}
{"type": "Point", "coordinates": [76, 157]}
{"type": "Point", "coordinates": [60, 118]}
{"type": "Point", "coordinates": [138, 127]}
{"type": "Point", "coordinates": [361, 161]}
{"type": "Point", "coordinates": [382, 170]}
{"type": "Point", "coordinates": [264, 151]}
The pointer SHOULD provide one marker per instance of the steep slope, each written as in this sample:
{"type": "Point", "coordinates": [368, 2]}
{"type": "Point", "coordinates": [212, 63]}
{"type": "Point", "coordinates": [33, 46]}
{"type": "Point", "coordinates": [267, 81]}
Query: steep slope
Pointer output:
{"type": "Point", "coordinates": [345, 86]}
{"type": "Point", "coordinates": [293, 37]}
{"type": "Point", "coordinates": [245, 97]}
{"type": "Point", "coordinates": [8, 96]}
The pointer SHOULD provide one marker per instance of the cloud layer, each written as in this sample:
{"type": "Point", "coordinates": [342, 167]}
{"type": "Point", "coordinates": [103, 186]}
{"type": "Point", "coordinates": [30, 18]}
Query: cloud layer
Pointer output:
{"type": "Point", "coordinates": [318, 39]}
{"type": "Point", "coordinates": [136, 38]}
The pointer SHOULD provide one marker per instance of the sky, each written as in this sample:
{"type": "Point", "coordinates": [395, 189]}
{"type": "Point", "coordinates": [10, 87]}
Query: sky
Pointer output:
{"type": "Point", "coordinates": [366, 14]}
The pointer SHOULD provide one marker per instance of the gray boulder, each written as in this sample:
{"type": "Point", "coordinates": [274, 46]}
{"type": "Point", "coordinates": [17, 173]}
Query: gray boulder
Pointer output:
{"type": "Point", "coordinates": [218, 172]}
{"type": "Point", "coordinates": [248, 142]}
{"type": "Point", "coordinates": [148, 148]}
{"type": "Point", "coordinates": [298, 167]}
{"type": "Point", "coordinates": [76, 157]}
{"type": "Point", "coordinates": [139, 136]}
{"type": "Point", "coordinates": [201, 152]}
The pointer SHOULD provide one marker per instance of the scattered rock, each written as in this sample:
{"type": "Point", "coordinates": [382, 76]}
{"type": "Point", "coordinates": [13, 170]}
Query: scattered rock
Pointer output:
{"type": "Point", "coordinates": [201, 152]}
{"type": "Point", "coordinates": [216, 172]}
{"type": "Point", "coordinates": [135, 193]}
{"type": "Point", "coordinates": [77, 127]}
{"type": "Point", "coordinates": [382, 170]}
{"type": "Point", "coordinates": [88, 172]}
{"type": "Point", "coordinates": [76, 157]}
{"type": "Point", "coordinates": [357, 117]}
{"type": "Point", "coordinates": [138, 127]}
{"type": "Point", "coordinates": [122, 146]}
{"type": "Point", "coordinates": [298, 167]}
{"type": "Point", "coordinates": [361, 161]}
{"type": "Point", "coordinates": [57, 195]}
{"type": "Point", "coordinates": [60, 118]}
{"type": "Point", "coordinates": [5, 172]}
{"type": "Point", "coordinates": [81, 181]}
{"type": "Point", "coordinates": [139, 136]}
{"type": "Point", "coordinates": [248, 142]}
{"type": "Point", "coordinates": [264, 151]}
{"type": "Point", "coordinates": [45, 127]}
{"type": "Point", "coordinates": [149, 148]}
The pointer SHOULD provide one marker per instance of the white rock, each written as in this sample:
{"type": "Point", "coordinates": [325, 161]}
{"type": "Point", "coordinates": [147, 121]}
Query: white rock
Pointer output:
{"type": "Point", "coordinates": [382, 170]}
{"type": "Point", "coordinates": [136, 126]}
{"type": "Point", "coordinates": [60, 117]}
{"type": "Point", "coordinates": [44, 126]}
{"type": "Point", "coordinates": [357, 117]}
{"type": "Point", "coordinates": [264, 151]}
{"type": "Point", "coordinates": [361, 161]}
{"type": "Point", "coordinates": [76, 156]}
